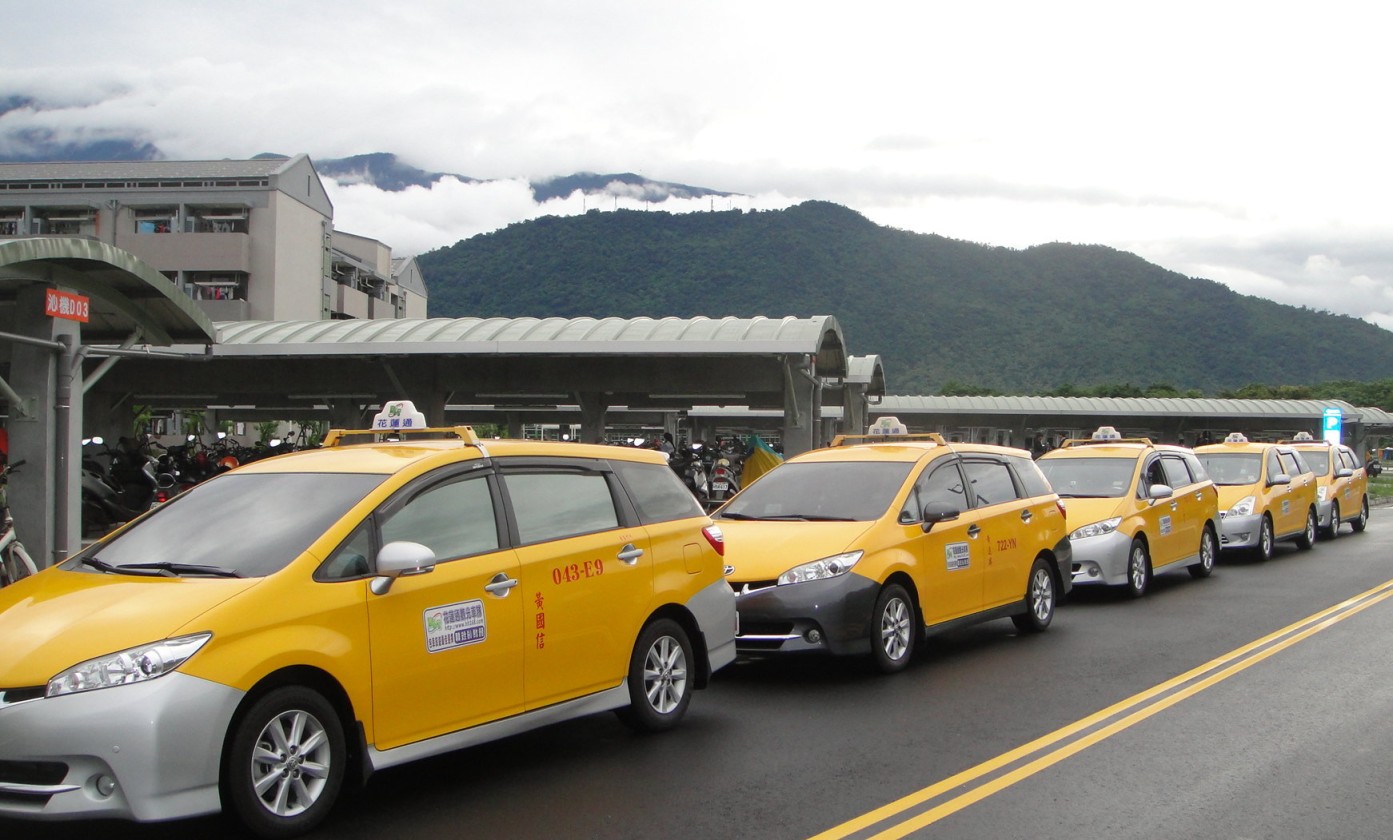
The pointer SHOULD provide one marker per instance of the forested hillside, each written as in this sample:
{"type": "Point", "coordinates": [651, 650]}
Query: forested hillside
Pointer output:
{"type": "Point", "coordinates": [939, 311]}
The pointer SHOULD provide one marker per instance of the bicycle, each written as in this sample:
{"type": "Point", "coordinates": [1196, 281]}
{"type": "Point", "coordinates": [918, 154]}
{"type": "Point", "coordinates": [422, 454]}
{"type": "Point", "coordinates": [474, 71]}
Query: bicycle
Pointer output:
{"type": "Point", "coordinates": [15, 562]}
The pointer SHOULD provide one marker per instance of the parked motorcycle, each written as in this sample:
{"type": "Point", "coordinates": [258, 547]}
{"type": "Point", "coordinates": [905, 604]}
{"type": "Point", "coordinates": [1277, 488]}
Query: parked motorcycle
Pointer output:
{"type": "Point", "coordinates": [117, 484]}
{"type": "Point", "coordinates": [687, 463]}
{"type": "Point", "coordinates": [725, 476]}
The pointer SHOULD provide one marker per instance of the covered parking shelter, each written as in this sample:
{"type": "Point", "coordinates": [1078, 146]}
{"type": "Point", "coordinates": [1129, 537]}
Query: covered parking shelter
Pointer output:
{"type": "Point", "coordinates": [484, 369]}
{"type": "Point", "coordinates": [60, 298]}
{"type": "Point", "coordinates": [1014, 421]}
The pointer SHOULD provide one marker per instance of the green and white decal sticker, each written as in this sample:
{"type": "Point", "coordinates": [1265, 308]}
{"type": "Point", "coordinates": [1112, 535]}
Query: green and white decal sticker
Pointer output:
{"type": "Point", "coordinates": [1286, 507]}
{"type": "Point", "coordinates": [454, 625]}
{"type": "Point", "coordinates": [957, 555]}
{"type": "Point", "coordinates": [1165, 525]}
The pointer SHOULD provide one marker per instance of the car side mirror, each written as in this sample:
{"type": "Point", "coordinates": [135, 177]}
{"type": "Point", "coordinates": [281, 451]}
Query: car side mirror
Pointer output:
{"type": "Point", "coordinates": [399, 559]}
{"type": "Point", "coordinates": [1280, 478]}
{"type": "Point", "coordinates": [1345, 472]}
{"type": "Point", "coordinates": [935, 512]}
{"type": "Point", "coordinates": [1159, 491]}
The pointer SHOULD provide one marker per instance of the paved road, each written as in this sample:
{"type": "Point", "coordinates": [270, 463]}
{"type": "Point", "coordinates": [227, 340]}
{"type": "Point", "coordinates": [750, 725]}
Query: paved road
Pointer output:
{"type": "Point", "coordinates": [1288, 739]}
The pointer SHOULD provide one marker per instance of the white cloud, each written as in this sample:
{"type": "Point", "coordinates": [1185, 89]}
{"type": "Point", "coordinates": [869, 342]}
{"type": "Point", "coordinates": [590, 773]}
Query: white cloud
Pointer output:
{"type": "Point", "coordinates": [1239, 141]}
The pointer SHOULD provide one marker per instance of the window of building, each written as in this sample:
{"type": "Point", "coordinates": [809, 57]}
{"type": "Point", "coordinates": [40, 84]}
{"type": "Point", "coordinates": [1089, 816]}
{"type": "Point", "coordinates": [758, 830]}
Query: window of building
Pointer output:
{"type": "Point", "coordinates": [154, 220]}
{"type": "Point", "coordinates": [219, 286]}
{"type": "Point", "coordinates": [217, 219]}
{"type": "Point", "coordinates": [65, 222]}
{"type": "Point", "coordinates": [10, 222]}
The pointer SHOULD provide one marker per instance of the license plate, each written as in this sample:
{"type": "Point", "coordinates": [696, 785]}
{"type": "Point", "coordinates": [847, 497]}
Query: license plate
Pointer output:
{"type": "Point", "coordinates": [720, 485]}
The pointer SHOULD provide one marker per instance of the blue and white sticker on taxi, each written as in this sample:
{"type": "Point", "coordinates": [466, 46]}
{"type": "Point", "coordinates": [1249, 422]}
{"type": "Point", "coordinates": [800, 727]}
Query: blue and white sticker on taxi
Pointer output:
{"type": "Point", "coordinates": [1166, 525]}
{"type": "Point", "coordinates": [454, 625]}
{"type": "Point", "coordinates": [958, 556]}
{"type": "Point", "coordinates": [1286, 507]}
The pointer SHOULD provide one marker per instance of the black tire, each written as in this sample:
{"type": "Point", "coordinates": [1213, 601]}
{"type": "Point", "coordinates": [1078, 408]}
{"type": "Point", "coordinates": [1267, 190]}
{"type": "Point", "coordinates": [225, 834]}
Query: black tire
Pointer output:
{"type": "Point", "coordinates": [1209, 551]}
{"type": "Point", "coordinates": [295, 734]}
{"type": "Point", "coordinates": [1138, 569]}
{"type": "Point", "coordinates": [1307, 540]}
{"type": "Point", "coordinates": [1361, 522]}
{"type": "Point", "coordinates": [894, 629]}
{"type": "Point", "coordinates": [1333, 530]}
{"type": "Point", "coordinates": [660, 680]}
{"type": "Point", "coordinates": [1041, 597]}
{"type": "Point", "coordinates": [1266, 541]}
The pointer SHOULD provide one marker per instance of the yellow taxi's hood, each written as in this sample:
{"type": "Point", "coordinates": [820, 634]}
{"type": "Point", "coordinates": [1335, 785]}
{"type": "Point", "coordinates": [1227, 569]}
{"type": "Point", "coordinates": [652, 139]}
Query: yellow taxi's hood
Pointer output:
{"type": "Point", "coordinates": [1229, 494]}
{"type": "Point", "coordinates": [1081, 512]}
{"type": "Point", "coordinates": [57, 618]}
{"type": "Point", "coordinates": [765, 550]}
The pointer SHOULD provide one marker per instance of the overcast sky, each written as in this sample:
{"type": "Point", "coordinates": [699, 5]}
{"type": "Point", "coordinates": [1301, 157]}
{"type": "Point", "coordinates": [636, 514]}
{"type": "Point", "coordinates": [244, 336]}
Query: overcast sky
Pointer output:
{"type": "Point", "coordinates": [1247, 143]}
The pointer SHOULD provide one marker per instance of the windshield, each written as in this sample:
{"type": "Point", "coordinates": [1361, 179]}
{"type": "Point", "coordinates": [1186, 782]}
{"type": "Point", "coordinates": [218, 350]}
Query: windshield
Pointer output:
{"type": "Point", "coordinates": [836, 491]}
{"type": "Point", "coordinates": [244, 525]}
{"type": "Point", "coordinates": [1089, 478]}
{"type": "Point", "coordinates": [1234, 468]}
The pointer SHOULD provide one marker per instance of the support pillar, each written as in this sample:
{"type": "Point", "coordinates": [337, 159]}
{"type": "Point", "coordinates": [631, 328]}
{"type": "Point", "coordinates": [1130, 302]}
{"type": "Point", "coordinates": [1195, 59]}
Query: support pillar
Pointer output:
{"type": "Point", "coordinates": [35, 434]}
{"type": "Point", "coordinates": [592, 416]}
{"type": "Point", "coordinates": [802, 397]}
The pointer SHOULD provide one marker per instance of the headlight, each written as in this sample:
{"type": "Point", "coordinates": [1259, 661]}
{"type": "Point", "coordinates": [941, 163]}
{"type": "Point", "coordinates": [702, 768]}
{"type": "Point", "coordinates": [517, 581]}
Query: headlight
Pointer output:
{"type": "Point", "coordinates": [1097, 529]}
{"type": "Point", "coordinates": [827, 567]}
{"type": "Point", "coordinates": [1320, 493]}
{"type": "Point", "coordinates": [138, 664]}
{"type": "Point", "coordinates": [1244, 506]}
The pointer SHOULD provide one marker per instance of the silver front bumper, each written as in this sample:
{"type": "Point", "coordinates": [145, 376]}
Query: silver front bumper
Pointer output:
{"type": "Point", "coordinates": [1101, 559]}
{"type": "Point", "coordinates": [147, 751]}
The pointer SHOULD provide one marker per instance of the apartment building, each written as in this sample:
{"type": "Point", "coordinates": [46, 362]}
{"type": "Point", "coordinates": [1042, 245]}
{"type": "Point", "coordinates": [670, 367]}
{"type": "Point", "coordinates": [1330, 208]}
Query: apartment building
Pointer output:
{"type": "Point", "coordinates": [247, 239]}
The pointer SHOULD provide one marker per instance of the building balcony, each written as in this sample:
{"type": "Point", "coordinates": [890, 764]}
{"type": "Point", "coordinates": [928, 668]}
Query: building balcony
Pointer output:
{"type": "Point", "coordinates": [190, 251]}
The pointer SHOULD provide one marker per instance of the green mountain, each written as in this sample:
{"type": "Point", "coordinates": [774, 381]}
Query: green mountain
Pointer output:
{"type": "Point", "coordinates": [937, 310]}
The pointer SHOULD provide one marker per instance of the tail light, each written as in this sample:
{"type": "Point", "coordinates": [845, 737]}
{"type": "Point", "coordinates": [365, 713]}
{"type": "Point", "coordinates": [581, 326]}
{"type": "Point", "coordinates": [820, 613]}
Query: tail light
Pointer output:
{"type": "Point", "coordinates": [716, 538]}
{"type": "Point", "coordinates": [162, 496]}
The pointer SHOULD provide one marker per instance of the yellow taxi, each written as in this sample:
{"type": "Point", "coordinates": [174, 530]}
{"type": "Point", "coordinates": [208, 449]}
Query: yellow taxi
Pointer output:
{"type": "Point", "coordinates": [863, 547]}
{"type": "Point", "coordinates": [1135, 509]}
{"type": "Point", "coordinates": [1266, 493]}
{"type": "Point", "coordinates": [1342, 484]}
{"type": "Point", "coordinates": [271, 636]}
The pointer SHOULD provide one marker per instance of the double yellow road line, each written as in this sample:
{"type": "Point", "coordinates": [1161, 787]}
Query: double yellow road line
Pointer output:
{"type": "Point", "coordinates": [931, 804]}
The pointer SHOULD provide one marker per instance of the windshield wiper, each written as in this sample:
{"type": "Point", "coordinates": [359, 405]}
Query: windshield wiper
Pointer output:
{"type": "Point", "coordinates": [103, 566]}
{"type": "Point", "coordinates": [808, 517]}
{"type": "Point", "coordinates": [183, 569]}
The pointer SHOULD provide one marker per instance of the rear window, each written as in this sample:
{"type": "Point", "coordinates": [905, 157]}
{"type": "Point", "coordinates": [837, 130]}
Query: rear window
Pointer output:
{"type": "Point", "coordinates": [1032, 479]}
{"type": "Point", "coordinates": [656, 491]}
{"type": "Point", "coordinates": [831, 491]}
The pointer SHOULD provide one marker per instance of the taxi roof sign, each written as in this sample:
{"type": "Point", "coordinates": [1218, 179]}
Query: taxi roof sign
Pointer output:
{"type": "Point", "coordinates": [1236, 437]}
{"type": "Point", "coordinates": [398, 414]}
{"type": "Point", "coordinates": [1303, 437]}
{"type": "Point", "coordinates": [1107, 433]}
{"type": "Point", "coordinates": [888, 426]}
{"type": "Point", "coordinates": [400, 417]}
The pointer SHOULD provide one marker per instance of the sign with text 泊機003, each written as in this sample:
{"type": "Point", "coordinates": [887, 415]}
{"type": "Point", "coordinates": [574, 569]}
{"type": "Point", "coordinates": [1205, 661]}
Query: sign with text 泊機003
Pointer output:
{"type": "Point", "coordinates": [66, 305]}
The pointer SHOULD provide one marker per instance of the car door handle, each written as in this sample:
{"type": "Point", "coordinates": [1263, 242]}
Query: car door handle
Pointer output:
{"type": "Point", "coordinates": [1175, 505]}
{"type": "Point", "coordinates": [500, 585]}
{"type": "Point", "coordinates": [1026, 515]}
{"type": "Point", "coordinates": [973, 530]}
{"type": "Point", "coordinates": [629, 554]}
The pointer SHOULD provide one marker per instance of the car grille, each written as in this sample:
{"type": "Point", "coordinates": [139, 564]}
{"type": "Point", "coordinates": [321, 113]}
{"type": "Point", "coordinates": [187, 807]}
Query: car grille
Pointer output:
{"type": "Point", "coordinates": [752, 586]}
{"type": "Point", "coordinates": [10, 696]}
{"type": "Point", "coordinates": [32, 772]}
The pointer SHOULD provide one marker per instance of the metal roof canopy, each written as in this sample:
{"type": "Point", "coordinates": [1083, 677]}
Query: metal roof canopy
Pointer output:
{"type": "Point", "coordinates": [1172, 417]}
{"type": "Point", "coordinates": [127, 300]}
{"type": "Point", "coordinates": [639, 363]}
{"type": "Point", "coordinates": [125, 292]}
